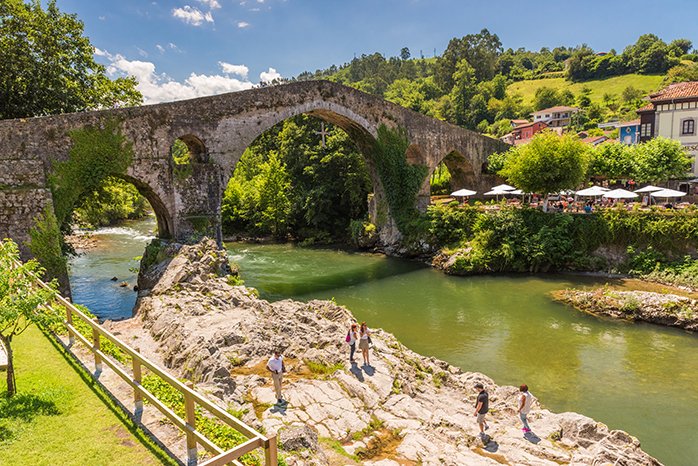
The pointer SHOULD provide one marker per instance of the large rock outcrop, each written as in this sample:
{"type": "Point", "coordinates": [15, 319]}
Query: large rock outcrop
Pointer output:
{"type": "Point", "coordinates": [404, 409]}
{"type": "Point", "coordinates": [657, 308]}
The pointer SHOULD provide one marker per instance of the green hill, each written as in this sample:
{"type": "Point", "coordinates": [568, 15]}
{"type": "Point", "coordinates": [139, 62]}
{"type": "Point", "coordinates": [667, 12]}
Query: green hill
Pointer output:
{"type": "Point", "coordinates": [599, 87]}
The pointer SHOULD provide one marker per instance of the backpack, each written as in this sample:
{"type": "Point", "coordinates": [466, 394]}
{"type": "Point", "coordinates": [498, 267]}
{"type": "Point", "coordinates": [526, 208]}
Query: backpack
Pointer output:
{"type": "Point", "coordinates": [348, 338]}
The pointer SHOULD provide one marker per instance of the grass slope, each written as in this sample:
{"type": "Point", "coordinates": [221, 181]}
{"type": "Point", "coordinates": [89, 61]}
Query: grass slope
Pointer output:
{"type": "Point", "coordinates": [60, 416]}
{"type": "Point", "coordinates": [613, 86]}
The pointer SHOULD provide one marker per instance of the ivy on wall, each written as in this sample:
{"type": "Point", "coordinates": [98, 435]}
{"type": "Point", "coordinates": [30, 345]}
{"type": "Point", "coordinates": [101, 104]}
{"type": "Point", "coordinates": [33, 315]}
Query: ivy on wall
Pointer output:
{"type": "Point", "coordinates": [96, 154]}
{"type": "Point", "coordinates": [401, 181]}
{"type": "Point", "coordinates": [45, 242]}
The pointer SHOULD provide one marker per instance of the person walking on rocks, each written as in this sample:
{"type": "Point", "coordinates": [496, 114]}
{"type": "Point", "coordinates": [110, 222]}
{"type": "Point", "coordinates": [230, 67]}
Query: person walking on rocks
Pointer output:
{"type": "Point", "coordinates": [277, 368]}
{"type": "Point", "coordinates": [525, 402]}
{"type": "Point", "coordinates": [482, 406]}
{"type": "Point", "coordinates": [364, 338]}
{"type": "Point", "coordinates": [352, 336]}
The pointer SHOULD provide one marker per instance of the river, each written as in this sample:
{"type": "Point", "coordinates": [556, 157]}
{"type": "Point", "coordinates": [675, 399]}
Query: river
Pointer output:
{"type": "Point", "coordinates": [636, 377]}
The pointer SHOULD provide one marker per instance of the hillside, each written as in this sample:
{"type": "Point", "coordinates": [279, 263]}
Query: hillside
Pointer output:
{"type": "Point", "coordinates": [613, 86]}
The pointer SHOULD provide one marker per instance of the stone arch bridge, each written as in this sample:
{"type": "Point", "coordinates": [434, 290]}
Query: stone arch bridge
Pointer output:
{"type": "Point", "coordinates": [217, 130]}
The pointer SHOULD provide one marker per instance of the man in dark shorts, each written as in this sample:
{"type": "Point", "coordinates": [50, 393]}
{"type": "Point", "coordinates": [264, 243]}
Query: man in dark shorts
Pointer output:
{"type": "Point", "coordinates": [482, 405]}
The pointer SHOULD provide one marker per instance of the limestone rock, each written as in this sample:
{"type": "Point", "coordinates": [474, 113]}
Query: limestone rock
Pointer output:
{"type": "Point", "coordinates": [406, 408]}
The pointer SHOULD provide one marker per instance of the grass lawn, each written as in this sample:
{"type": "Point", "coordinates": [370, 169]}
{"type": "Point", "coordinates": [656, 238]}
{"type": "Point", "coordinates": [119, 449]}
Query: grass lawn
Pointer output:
{"type": "Point", "coordinates": [613, 86]}
{"type": "Point", "coordinates": [60, 417]}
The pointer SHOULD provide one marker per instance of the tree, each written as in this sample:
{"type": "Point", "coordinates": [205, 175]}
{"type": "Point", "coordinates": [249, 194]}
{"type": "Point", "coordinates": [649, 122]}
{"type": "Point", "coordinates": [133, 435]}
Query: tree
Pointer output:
{"type": "Point", "coordinates": [274, 205]}
{"type": "Point", "coordinates": [47, 66]}
{"type": "Point", "coordinates": [612, 160]}
{"type": "Point", "coordinates": [405, 54]}
{"type": "Point", "coordinates": [481, 50]}
{"type": "Point", "coordinates": [546, 97]}
{"type": "Point", "coordinates": [660, 159]}
{"type": "Point", "coordinates": [548, 164]}
{"type": "Point", "coordinates": [22, 302]}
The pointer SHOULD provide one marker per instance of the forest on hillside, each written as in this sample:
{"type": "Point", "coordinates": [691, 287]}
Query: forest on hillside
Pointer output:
{"type": "Point", "coordinates": [468, 84]}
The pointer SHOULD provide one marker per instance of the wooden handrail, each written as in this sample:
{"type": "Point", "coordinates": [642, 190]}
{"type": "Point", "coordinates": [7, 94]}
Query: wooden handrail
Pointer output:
{"type": "Point", "coordinates": [191, 396]}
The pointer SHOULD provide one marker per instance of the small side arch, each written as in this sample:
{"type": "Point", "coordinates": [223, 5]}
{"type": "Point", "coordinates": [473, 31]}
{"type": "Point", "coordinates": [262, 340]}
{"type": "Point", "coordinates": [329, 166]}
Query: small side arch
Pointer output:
{"type": "Point", "coordinates": [162, 215]}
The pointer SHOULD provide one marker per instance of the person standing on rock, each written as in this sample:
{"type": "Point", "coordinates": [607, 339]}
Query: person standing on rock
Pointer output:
{"type": "Point", "coordinates": [482, 406]}
{"type": "Point", "coordinates": [277, 368]}
{"type": "Point", "coordinates": [364, 337]}
{"type": "Point", "coordinates": [525, 402]}
{"type": "Point", "coordinates": [352, 336]}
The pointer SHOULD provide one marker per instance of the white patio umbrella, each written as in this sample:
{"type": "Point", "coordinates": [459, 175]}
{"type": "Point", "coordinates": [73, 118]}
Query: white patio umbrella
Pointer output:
{"type": "Point", "coordinates": [503, 187]}
{"type": "Point", "coordinates": [463, 193]}
{"type": "Point", "coordinates": [648, 189]}
{"type": "Point", "coordinates": [593, 191]}
{"type": "Point", "coordinates": [667, 193]}
{"type": "Point", "coordinates": [516, 192]}
{"type": "Point", "coordinates": [620, 194]}
{"type": "Point", "coordinates": [497, 192]}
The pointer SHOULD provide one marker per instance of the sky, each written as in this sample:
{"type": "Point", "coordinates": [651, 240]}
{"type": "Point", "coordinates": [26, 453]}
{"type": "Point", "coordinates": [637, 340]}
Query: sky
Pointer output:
{"type": "Point", "coordinates": [180, 49]}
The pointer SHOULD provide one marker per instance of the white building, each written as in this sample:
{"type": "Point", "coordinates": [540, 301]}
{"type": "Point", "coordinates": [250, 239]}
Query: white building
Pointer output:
{"type": "Point", "coordinates": [673, 113]}
{"type": "Point", "coordinates": [555, 116]}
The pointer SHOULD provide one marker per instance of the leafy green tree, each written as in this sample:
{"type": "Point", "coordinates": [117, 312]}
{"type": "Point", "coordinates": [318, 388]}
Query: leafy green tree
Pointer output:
{"type": "Point", "coordinates": [482, 52]}
{"type": "Point", "coordinates": [22, 302]}
{"type": "Point", "coordinates": [612, 160]}
{"type": "Point", "coordinates": [274, 205]}
{"type": "Point", "coordinates": [548, 164]}
{"type": "Point", "coordinates": [405, 53]}
{"type": "Point", "coordinates": [649, 54]}
{"type": "Point", "coordinates": [113, 201]}
{"type": "Point", "coordinates": [660, 159]}
{"type": "Point", "coordinates": [546, 97]}
{"type": "Point", "coordinates": [682, 73]}
{"type": "Point", "coordinates": [47, 66]}
{"type": "Point", "coordinates": [463, 91]}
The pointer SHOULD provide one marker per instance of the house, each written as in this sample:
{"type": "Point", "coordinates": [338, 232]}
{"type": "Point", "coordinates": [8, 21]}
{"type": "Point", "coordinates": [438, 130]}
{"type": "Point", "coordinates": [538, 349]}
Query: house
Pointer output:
{"type": "Point", "coordinates": [594, 140]}
{"type": "Point", "coordinates": [555, 116]}
{"type": "Point", "coordinates": [515, 123]}
{"type": "Point", "coordinates": [629, 132]}
{"type": "Point", "coordinates": [523, 133]}
{"type": "Point", "coordinates": [673, 113]}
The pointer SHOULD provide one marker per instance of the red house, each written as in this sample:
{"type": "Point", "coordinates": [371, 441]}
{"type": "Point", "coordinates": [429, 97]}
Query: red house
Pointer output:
{"type": "Point", "coordinates": [527, 131]}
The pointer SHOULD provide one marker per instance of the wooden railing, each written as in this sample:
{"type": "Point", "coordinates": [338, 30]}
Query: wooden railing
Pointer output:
{"type": "Point", "coordinates": [191, 397]}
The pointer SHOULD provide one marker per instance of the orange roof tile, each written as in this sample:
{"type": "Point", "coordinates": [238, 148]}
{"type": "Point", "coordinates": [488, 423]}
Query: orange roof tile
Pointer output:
{"type": "Point", "coordinates": [676, 91]}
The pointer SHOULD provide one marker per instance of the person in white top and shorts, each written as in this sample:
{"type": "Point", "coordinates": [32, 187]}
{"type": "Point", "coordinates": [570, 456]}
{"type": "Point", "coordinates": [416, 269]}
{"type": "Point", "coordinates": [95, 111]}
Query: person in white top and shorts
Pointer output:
{"type": "Point", "coordinates": [525, 403]}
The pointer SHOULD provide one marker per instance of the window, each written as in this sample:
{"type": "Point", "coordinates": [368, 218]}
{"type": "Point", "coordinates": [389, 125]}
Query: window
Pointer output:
{"type": "Point", "coordinates": [646, 130]}
{"type": "Point", "coordinates": [688, 127]}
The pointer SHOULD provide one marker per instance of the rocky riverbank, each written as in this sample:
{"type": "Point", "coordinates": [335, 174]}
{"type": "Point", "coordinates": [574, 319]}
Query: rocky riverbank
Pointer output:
{"type": "Point", "coordinates": [658, 308]}
{"type": "Point", "coordinates": [405, 409]}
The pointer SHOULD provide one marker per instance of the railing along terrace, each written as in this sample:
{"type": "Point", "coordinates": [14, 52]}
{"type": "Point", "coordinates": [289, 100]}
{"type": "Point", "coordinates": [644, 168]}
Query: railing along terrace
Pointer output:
{"type": "Point", "coordinates": [192, 398]}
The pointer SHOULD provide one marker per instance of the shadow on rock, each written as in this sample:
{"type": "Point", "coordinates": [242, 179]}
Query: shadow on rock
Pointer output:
{"type": "Point", "coordinates": [357, 372]}
{"type": "Point", "coordinates": [531, 437]}
{"type": "Point", "coordinates": [369, 370]}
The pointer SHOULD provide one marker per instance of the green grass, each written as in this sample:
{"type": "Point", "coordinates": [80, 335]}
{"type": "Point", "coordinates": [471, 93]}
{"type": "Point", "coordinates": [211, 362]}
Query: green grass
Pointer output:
{"type": "Point", "coordinates": [60, 416]}
{"type": "Point", "coordinates": [613, 86]}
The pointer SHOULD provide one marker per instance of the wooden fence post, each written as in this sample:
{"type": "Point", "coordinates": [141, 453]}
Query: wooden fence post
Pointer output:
{"type": "Point", "coordinates": [190, 408]}
{"type": "Point", "coordinates": [137, 397]}
{"type": "Point", "coordinates": [270, 452]}
{"type": "Point", "coordinates": [96, 344]}
{"type": "Point", "coordinates": [69, 319]}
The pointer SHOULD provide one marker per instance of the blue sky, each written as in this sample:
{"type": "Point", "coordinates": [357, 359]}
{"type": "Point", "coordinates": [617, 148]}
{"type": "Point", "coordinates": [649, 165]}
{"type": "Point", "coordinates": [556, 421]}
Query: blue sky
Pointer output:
{"type": "Point", "coordinates": [186, 48]}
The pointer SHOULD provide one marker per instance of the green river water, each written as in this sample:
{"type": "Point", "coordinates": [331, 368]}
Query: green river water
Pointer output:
{"type": "Point", "coordinates": [636, 377]}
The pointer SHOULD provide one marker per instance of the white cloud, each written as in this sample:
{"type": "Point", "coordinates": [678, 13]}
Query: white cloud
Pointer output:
{"type": "Point", "coordinates": [142, 52]}
{"type": "Point", "coordinates": [173, 46]}
{"type": "Point", "coordinates": [161, 88]}
{"type": "Point", "coordinates": [191, 15]}
{"type": "Point", "coordinates": [212, 4]}
{"type": "Point", "coordinates": [102, 18]}
{"type": "Point", "coordinates": [160, 48]}
{"type": "Point", "coordinates": [100, 52]}
{"type": "Point", "coordinates": [270, 75]}
{"type": "Point", "coordinates": [239, 70]}
{"type": "Point", "coordinates": [243, 24]}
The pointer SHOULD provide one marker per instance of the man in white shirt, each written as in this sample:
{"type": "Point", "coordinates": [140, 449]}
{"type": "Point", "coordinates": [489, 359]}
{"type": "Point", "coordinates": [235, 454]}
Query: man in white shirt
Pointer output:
{"type": "Point", "coordinates": [277, 369]}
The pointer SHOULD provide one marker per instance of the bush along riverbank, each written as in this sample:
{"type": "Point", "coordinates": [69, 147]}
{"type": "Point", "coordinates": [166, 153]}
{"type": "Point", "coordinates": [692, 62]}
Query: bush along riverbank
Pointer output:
{"type": "Point", "coordinates": [404, 408]}
{"type": "Point", "coordinates": [657, 308]}
{"type": "Point", "coordinates": [651, 244]}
